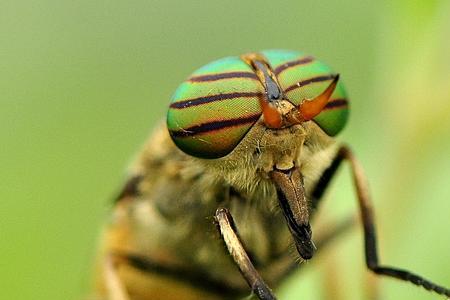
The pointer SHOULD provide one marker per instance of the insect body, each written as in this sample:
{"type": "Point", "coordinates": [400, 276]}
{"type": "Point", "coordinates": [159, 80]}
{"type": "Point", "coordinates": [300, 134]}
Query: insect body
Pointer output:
{"type": "Point", "coordinates": [248, 147]}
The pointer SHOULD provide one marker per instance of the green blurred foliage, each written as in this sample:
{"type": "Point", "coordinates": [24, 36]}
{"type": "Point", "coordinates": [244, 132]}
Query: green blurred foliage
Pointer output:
{"type": "Point", "coordinates": [83, 82]}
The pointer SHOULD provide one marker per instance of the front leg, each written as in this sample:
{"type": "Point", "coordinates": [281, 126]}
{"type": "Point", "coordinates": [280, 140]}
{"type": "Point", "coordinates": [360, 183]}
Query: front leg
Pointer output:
{"type": "Point", "coordinates": [234, 245]}
{"type": "Point", "coordinates": [367, 217]}
{"type": "Point", "coordinates": [114, 285]}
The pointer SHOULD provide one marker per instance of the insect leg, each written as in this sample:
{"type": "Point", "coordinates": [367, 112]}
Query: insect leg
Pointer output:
{"type": "Point", "coordinates": [115, 288]}
{"type": "Point", "coordinates": [236, 249]}
{"type": "Point", "coordinates": [367, 217]}
{"type": "Point", "coordinates": [324, 180]}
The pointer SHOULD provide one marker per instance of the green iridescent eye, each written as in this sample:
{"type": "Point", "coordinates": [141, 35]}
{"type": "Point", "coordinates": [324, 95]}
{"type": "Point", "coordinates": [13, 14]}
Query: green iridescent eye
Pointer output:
{"type": "Point", "coordinates": [212, 110]}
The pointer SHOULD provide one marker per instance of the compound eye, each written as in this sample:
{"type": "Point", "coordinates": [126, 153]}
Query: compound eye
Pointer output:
{"type": "Point", "coordinates": [212, 110]}
{"type": "Point", "coordinates": [304, 77]}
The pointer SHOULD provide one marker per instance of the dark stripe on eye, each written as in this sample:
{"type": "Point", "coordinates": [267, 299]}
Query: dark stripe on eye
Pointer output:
{"type": "Point", "coordinates": [220, 76]}
{"type": "Point", "coordinates": [309, 81]}
{"type": "Point", "coordinates": [212, 98]}
{"type": "Point", "coordinates": [337, 103]}
{"type": "Point", "coordinates": [290, 64]}
{"type": "Point", "coordinates": [214, 125]}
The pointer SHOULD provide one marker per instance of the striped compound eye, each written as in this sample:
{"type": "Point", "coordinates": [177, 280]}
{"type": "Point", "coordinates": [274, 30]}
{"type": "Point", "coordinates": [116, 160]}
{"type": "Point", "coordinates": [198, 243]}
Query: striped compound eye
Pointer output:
{"type": "Point", "coordinates": [212, 110]}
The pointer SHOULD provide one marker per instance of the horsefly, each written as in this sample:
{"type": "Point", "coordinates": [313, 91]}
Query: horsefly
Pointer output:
{"type": "Point", "coordinates": [244, 135]}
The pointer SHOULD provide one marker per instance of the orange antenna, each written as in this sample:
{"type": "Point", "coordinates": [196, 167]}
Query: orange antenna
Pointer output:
{"type": "Point", "coordinates": [311, 108]}
{"type": "Point", "coordinates": [272, 117]}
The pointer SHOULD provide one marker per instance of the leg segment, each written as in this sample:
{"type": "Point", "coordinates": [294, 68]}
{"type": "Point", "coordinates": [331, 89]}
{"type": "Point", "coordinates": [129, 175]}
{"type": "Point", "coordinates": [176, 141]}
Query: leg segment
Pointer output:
{"type": "Point", "coordinates": [114, 286]}
{"type": "Point", "coordinates": [367, 217]}
{"type": "Point", "coordinates": [236, 249]}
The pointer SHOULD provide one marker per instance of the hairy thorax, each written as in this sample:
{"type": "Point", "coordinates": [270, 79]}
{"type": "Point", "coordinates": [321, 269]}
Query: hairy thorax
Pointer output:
{"type": "Point", "coordinates": [171, 218]}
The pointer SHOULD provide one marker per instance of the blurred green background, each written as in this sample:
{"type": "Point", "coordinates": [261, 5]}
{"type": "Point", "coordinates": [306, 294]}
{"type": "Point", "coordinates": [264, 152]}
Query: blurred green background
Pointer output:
{"type": "Point", "coordinates": [83, 82]}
